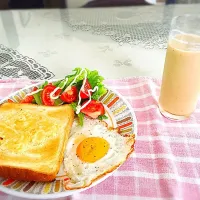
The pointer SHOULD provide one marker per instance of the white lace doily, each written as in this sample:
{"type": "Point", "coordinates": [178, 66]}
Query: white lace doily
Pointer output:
{"type": "Point", "coordinates": [15, 65]}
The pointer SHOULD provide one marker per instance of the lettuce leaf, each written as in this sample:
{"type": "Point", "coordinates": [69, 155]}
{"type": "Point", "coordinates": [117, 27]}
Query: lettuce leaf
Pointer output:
{"type": "Point", "coordinates": [100, 92]}
{"type": "Point", "coordinates": [96, 80]}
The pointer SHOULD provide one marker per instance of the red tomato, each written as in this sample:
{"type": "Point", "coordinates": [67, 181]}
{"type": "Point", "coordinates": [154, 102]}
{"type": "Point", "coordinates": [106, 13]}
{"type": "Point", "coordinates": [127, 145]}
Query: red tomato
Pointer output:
{"type": "Point", "coordinates": [70, 94]}
{"type": "Point", "coordinates": [48, 89]}
{"type": "Point", "coordinates": [93, 109]}
{"type": "Point", "coordinates": [10, 101]}
{"type": "Point", "coordinates": [30, 98]}
{"type": "Point", "coordinates": [34, 89]}
{"type": "Point", "coordinates": [84, 93]}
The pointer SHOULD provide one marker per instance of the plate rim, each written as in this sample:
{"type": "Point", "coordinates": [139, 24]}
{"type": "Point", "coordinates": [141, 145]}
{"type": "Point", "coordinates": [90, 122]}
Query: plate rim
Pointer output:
{"type": "Point", "coordinates": [69, 192]}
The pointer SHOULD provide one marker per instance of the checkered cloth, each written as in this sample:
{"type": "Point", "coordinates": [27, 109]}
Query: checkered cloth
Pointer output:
{"type": "Point", "coordinates": [166, 162]}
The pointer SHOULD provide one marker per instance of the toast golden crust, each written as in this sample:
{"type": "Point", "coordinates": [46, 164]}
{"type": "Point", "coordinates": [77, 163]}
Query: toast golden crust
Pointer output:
{"type": "Point", "coordinates": [25, 174]}
{"type": "Point", "coordinates": [37, 151]}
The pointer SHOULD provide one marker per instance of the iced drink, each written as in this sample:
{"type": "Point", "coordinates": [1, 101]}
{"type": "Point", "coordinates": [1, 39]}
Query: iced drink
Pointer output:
{"type": "Point", "coordinates": [181, 77]}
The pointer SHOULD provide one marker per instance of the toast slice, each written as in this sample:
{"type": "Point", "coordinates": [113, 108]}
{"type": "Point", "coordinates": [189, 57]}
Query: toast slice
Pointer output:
{"type": "Point", "coordinates": [33, 140]}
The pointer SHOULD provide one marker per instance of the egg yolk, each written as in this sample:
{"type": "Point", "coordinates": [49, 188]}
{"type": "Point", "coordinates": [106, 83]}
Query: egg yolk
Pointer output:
{"type": "Point", "coordinates": [92, 149]}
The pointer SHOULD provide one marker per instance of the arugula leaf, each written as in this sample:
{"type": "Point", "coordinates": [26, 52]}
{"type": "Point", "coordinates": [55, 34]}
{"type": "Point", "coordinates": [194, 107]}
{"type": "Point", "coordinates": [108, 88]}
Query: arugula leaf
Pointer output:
{"type": "Point", "coordinates": [37, 98]}
{"type": "Point", "coordinates": [102, 117]}
{"type": "Point", "coordinates": [80, 115]}
{"type": "Point", "coordinates": [81, 118]}
{"type": "Point", "coordinates": [73, 105]}
{"type": "Point", "coordinates": [71, 77]}
{"type": "Point", "coordinates": [61, 84]}
{"type": "Point", "coordinates": [57, 83]}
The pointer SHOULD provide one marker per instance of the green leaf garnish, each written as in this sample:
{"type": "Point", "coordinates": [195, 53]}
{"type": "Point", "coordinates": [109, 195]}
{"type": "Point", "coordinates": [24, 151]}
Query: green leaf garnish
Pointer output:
{"type": "Point", "coordinates": [58, 102]}
{"type": "Point", "coordinates": [57, 83]}
{"type": "Point", "coordinates": [74, 105]}
{"type": "Point", "coordinates": [100, 92]}
{"type": "Point", "coordinates": [102, 117]}
{"type": "Point", "coordinates": [71, 77]}
{"type": "Point", "coordinates": [93, 77]}
{"type": "Point", "coordinates": [76, 78]}
{"type": "Point", "coordinates": [96, 80]}
{"type": "Point", "coordinates": [37, 98]}
{"type": "Point", "coordinates": [81, 118]}
{"type": "Point", "coordinates": [43, 85]}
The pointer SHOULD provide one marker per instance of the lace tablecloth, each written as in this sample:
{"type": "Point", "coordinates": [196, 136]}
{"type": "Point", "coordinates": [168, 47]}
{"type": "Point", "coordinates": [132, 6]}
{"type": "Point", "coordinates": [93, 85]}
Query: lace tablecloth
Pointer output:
{"type": "Point", "coordinates": [128, 41]}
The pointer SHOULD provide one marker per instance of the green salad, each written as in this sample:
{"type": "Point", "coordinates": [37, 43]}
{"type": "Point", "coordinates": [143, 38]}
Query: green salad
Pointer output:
{"type": "Point", "coordinates": [81, 90]}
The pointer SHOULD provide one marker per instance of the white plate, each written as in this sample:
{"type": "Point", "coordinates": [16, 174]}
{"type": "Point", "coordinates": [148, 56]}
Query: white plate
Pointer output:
{"type": "Point", "coordinates": [120, 115]}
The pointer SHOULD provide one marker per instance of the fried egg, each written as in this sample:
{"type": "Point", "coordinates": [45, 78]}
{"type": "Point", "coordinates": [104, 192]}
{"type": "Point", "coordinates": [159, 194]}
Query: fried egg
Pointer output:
{"type": "Point", "coordinates": [93, 151]}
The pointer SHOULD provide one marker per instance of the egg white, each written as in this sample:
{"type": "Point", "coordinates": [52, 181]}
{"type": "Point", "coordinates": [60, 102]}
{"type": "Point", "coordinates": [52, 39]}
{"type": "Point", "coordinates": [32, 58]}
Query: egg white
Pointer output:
{"type": "Point", "coordinates": [82, 174]}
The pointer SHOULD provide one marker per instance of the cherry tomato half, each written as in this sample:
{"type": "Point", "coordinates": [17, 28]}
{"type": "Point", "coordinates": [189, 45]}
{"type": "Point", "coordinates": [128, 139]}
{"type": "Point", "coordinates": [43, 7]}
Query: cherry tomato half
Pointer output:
{"type": "Point", "coordinates": [48, 89]}
{"type": "Point", "coordinates": [29, 98]}
{"type": "Point", "coordinates": [93, 109]}
{"type": "Point", "coordinates": [70, 94]}
{"type": "Point", "coordinates": [84, 93]}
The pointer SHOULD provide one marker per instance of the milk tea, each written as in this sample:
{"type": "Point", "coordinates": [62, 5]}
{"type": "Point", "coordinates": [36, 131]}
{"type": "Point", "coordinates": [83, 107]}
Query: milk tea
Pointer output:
{"type": "Point", "coordinates": [181, 77]}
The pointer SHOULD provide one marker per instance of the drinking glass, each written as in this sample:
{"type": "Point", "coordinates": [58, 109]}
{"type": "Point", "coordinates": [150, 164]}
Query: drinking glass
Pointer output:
{"type": "Point", "coordinates": [181, 76]}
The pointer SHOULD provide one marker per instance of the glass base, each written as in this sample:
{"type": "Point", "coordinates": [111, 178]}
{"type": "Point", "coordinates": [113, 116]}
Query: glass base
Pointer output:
{"type": "Point", "coordinates": [172, 116]}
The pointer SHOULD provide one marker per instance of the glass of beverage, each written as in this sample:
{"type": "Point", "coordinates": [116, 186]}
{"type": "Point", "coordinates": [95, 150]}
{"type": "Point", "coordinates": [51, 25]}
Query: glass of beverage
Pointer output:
{"type": "Point", "coordinates": [181, 76]}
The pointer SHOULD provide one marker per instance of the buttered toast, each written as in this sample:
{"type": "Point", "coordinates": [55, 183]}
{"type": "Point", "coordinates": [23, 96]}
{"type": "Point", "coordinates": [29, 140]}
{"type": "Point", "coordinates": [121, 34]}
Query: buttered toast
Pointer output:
{"type": "Point", "coordinates": [33, 140]}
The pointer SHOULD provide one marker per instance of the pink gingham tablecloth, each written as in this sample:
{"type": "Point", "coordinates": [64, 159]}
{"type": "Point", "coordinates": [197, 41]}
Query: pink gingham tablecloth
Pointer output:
{"type": "Point", "coordinates": [166, 164]}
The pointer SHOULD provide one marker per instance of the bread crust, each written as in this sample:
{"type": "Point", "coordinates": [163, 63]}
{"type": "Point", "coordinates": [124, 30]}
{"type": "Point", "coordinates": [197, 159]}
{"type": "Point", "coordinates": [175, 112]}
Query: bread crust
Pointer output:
{"type": "Point", "coordinates": [25, 174]}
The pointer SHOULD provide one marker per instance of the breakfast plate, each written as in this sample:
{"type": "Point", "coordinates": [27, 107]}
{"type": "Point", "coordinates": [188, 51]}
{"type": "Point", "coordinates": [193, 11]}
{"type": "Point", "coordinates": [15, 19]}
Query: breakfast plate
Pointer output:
{"type": "Point", "coordinates": [119, 115]}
